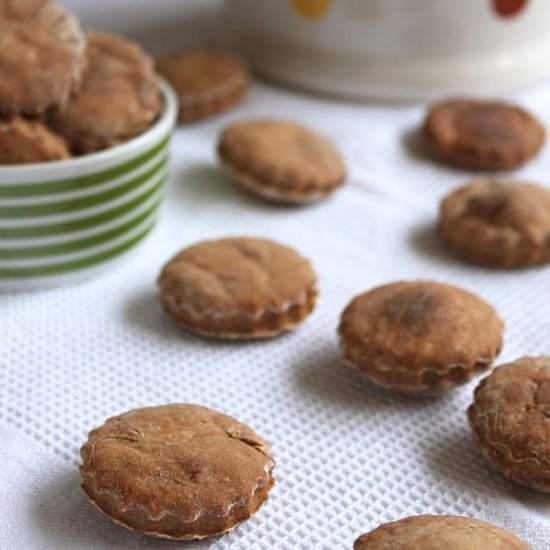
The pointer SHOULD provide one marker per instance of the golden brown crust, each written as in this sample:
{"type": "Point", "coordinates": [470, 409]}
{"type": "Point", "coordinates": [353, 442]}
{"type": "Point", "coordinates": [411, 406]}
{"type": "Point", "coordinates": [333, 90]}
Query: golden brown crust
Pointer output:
{"type": "Point", "coordinates": [510, 421]}
{"type": "Point", "coordinates": [42, 56]}
{"type": "Point", "coordinates": [483, 135]}
{"type": "Point", "coordinates": [420, 337]}
{"type": "Point", "coordinates": [24, 141]}
{"type": "Point", "coordinates": [238, 288]}
{"type": "Point", "coordinates": [498, 223]}
{"type": "Point", "coordinates": [207, 81]}
{"type": "Point", "coordinates": [120, 96]}
{"type": "Point", "coordinates": [176, 471]}
{"type": "Point", "coordinates": [429, 532]}
{"type": "Point", "coordinates": [281, 161]}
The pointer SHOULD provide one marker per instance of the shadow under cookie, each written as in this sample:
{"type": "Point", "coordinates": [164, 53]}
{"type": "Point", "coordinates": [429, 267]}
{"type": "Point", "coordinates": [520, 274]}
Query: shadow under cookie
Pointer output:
{"type": "Point", "coordinates": [144, 313]}
{"type": "Point", "coordinates": [203, 184]}
{"type": "Point", "coordinates": [425, 239]}
{"type": "Point", "coordinates": [455, 461]}
{"type": "Point", "coordinates": [329, 377]}
{"type": "Point", "coordinates": [66, 521]}
{"type": "Point", "coordinates": [415, 146]}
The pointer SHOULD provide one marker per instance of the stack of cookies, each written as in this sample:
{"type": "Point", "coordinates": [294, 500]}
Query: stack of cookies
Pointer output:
{"type": "Point", "coordinates": [64, 92]}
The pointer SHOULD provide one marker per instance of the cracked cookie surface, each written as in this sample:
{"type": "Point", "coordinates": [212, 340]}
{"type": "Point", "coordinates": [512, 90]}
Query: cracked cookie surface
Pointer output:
{"type": "Point", "coordinates": [510, 421]}
{"type": "Point", "coordinates": [207, 81]}
{"type": "Point", "coordinates": [176, 471]}
{"type": "Point", "coordinates": [238, 288]}
{"type": "Point", "coordinates": [482, 135]}
{"type": "Point", "coordinates": [119, 99]}
{"type": "Point", "coordinates": [42, 56]}
{"type": "Point", "coordinates": [420, 337]}
{"type": "Point", "coordinates": [25, 141]}
{"type": "Point", "coordinates": [498, 223]}
{"type": "Point", "coordinates": [281, 161]}
{"type": "Point", "coordinates": [429, 532]}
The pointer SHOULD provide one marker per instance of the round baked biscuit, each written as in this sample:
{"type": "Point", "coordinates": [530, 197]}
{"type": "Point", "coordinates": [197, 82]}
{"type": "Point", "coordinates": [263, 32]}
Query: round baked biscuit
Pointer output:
{"type": "Point", "coordinates": [498, 223]}
{"type": "Point", "coordinates": [207, 81]}
{"type": "Point", "coordinates": [42, 56]}
{"type": "Point", "coordinates": [281, 161]}
{"type": "Point", "coordinates": [120, 96]}
{"type": "Point", "coordinates": [429, 532]}
{"type": "Point", "coordinates": [176, 471]}
{"type": "Point", "coordinates": [420, 337]}
{"type": "Point", "coordinates": [238, 288]}
{"type": "Point", "coordinates": [509, 421]}
{"type": "Point", "coordinates": [483, 135]}
{"type": "Point", "coordinates": [23, 141]}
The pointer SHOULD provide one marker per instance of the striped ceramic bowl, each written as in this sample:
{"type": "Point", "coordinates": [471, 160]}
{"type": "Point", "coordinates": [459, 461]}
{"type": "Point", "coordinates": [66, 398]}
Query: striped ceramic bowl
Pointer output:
{"type": "Point", "coordinates": [65, 221]}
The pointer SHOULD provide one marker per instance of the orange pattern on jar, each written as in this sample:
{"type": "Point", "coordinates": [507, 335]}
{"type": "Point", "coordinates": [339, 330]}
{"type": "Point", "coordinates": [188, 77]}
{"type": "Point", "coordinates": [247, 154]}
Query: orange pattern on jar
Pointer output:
{"type": "Point", "coordinates": [509, 8]}
{"type": "Point", "coordinates": [313, 9]}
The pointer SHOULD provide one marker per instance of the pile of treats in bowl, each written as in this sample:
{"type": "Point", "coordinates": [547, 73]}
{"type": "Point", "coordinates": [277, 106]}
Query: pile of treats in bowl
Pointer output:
{"type": "Point", "coordinates": [183, 471]}
{"type": "Point", "coordinates": [65, 92]}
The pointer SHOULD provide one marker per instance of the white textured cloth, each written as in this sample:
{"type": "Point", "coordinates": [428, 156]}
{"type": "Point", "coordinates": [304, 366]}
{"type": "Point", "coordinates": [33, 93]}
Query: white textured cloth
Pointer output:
{"type": "Point", "coordinates": [349, 456]}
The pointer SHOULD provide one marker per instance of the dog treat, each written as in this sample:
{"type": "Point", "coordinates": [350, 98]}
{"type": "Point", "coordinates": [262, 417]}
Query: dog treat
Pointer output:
{"type": "Point", "coordinates": [238, 288]}
{"type": "Point", "coordinates": [509, 420]}
{"type": "Point", "coordinates": [42, 56]}
{"type": "Point", "coordinates": [498, 223]}
{"type": "Point", "coordinates": [207, 81]}
{"type": "Point", "coordinates": [24, 141]}
{"type": "Point", "coordinates": [439, 532]}
{"type": "Point", "coordinates": [120, 96]}
{"type": "Point", "coordinates": [420, 337]}
{"type": "Point", "coordinates": [281, 161]}
{"type": "Point", "coordinates": [483, 135]}
{"type": "Point", "coordinates": [176, 471]}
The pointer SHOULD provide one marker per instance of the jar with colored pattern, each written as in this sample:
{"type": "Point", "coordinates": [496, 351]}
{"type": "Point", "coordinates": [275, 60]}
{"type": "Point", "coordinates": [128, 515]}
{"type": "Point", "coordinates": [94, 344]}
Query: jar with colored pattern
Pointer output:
{"type": "Point", "coordinates": [395, 49]}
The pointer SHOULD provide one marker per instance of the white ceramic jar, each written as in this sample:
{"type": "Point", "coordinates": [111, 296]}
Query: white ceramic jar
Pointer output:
{"type": "Point", "coordinates": [406, 49]}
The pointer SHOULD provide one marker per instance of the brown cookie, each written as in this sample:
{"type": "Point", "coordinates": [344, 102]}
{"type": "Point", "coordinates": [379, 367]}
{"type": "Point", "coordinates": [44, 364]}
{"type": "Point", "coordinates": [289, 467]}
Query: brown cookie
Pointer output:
{"type": "Point", "coordinates": [509, 420]}
{"type": "Point", "coordinates": [42, 56]}
{"type": "Point", "coordinates": [420, 337]}
{"type": "Point", "coordinates": [281, 161]}
{"type": "Point", "coordinates": [23, 141]}
{"type": "Point", "coordinates": [498, 223]}
{"type": "Point", "coordinates": [483, 135]}
{"type": "Point", "coordinates": [177, 471]}
{"type": "Point", "coordinates": [207, 81]}
{"type": "Point", "coordinates": [238, 288]}
{"type": "Point", "coordinates": [437, 533]}
{"type": "Point", "coordinates": [120, 96]}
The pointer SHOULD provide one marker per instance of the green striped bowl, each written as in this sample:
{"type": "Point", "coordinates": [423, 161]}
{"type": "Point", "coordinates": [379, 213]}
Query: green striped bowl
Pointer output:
{"type": "Point", "coordinates": [65, 221]}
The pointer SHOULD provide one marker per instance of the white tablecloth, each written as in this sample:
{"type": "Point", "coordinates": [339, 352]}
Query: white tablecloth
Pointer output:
{"type": "Point", "coordinates": [349, 456]}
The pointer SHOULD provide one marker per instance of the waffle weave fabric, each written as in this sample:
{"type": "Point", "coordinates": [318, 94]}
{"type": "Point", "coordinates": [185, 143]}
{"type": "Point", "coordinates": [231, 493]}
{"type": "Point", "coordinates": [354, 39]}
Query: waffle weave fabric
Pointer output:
{"type": "Point", "coordinates": [349, 456]}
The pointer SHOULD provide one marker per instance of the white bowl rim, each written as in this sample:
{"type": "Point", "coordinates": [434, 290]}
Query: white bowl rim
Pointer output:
{"type": "Point", "coordinates": [49, 171]}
